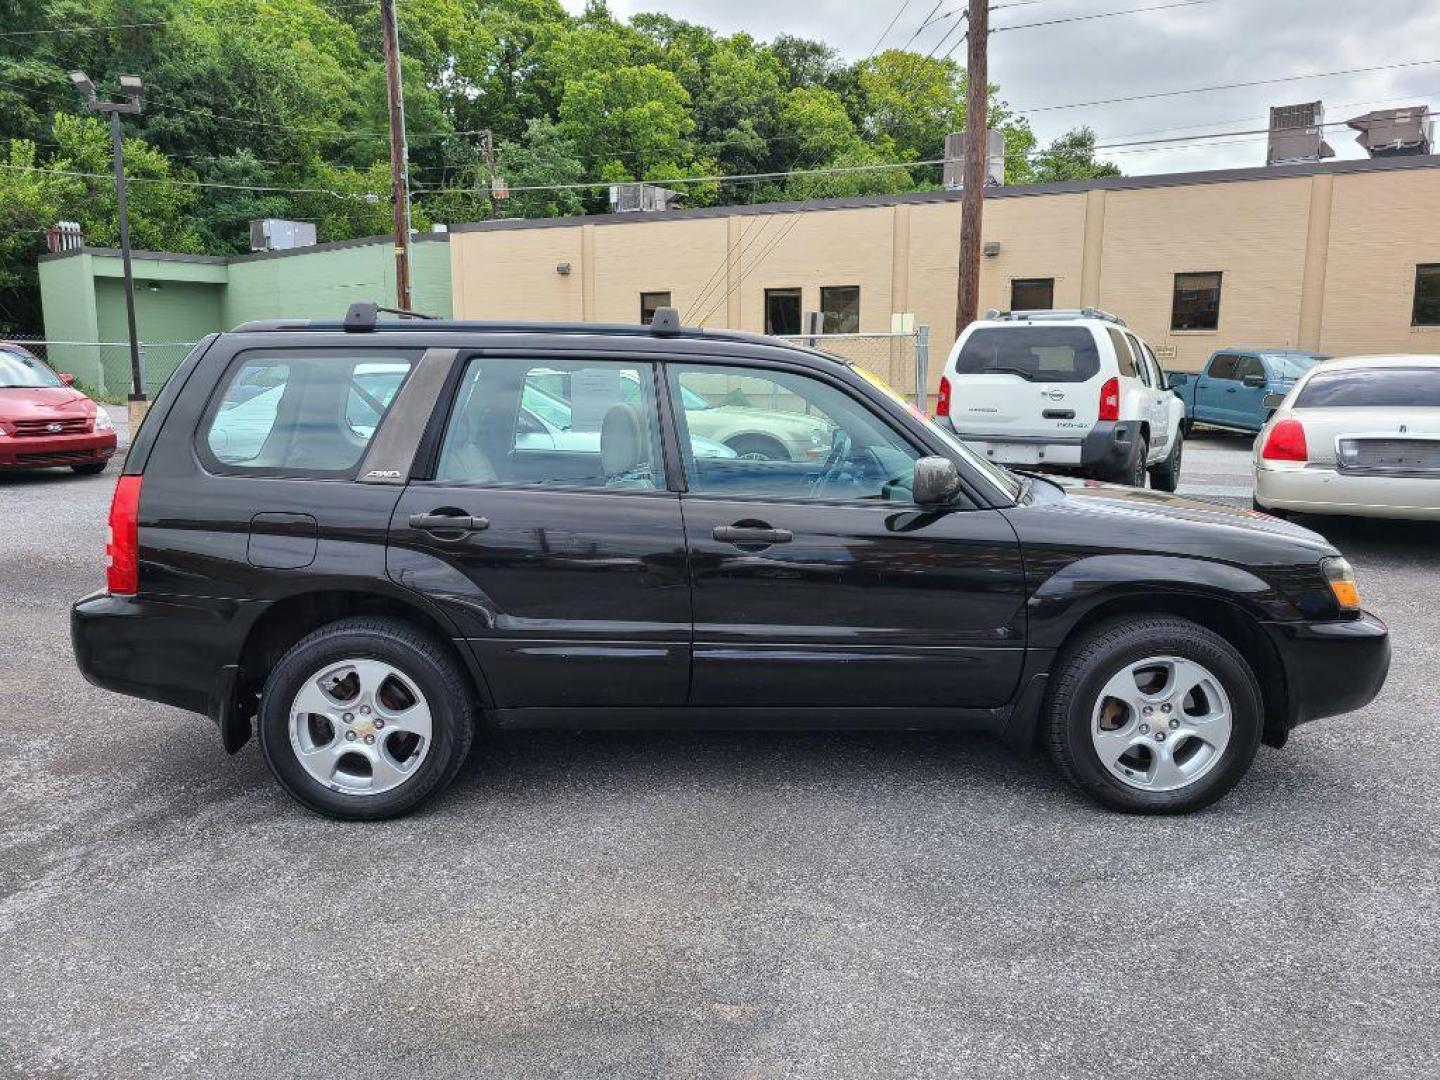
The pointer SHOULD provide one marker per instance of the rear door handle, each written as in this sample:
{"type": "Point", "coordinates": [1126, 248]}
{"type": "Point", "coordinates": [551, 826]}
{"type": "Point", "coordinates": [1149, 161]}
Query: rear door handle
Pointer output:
{"type": "Point", "coordinates": [745, 534]}
{"type": "Point", "coordinates": [437, 521]}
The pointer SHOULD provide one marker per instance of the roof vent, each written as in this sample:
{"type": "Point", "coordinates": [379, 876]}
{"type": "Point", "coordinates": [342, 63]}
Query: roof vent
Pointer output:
{"type": "Point", "coordinates": [642, 198]}
{"type": "Point", "coordinates": [277, 234]}
{"type": "Point", "coordinates": [1297, 134]}
{"type": "Point", "coordinates": [954, 165]}
{"type": "Point", "coordinates": [1396, 132]}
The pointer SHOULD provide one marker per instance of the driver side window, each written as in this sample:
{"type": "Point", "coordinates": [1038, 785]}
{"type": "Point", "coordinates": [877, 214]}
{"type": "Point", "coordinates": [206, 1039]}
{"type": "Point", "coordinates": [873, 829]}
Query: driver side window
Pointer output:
{"type": "Point", "coordinates": [784, 436]}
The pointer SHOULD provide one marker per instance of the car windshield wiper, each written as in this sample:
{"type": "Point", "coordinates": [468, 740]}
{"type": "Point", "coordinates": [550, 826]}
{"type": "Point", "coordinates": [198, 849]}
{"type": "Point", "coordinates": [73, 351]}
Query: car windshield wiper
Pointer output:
{"type": "Point", "coordinates": [1027, 376]}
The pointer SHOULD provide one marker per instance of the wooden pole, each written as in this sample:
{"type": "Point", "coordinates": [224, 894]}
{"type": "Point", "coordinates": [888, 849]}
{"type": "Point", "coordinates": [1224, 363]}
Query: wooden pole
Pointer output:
{"type": "Point", "coordinates": [972, 197]}
{"type": "Point", "coordinates": [399, 154]}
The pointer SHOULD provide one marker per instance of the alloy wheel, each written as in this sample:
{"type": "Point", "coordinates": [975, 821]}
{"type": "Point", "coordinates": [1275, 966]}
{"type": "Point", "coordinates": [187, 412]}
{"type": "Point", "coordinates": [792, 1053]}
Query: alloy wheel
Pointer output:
{"type": "Point", "coordinates": [360, 727]}
{"type": "Point", "coordinates": [1162, 723]}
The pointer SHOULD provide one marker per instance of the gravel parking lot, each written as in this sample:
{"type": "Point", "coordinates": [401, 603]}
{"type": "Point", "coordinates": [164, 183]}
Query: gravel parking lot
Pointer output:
{"type": "Point", "coordinates": [720, 905]}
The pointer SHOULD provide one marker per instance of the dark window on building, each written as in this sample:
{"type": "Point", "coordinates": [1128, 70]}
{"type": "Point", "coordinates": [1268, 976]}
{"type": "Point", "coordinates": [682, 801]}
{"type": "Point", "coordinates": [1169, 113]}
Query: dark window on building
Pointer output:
{"type": "Point", "coordinates": [1427, 295]}
{"type": "Point", "coordinates": [782, 311]}
{"type": "Point", "coordinates": [1197, 302]}
{"type": "Point", "coordinates": [840, 309]}
{"type": "Point", "coordinates": [649, 303]}
{"type": "Point", "coordinates": [1032, 294]}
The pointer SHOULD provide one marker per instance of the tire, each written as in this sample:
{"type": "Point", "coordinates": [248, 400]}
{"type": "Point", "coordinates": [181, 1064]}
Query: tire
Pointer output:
{"type": "Point", "coordinates": [1204, 758]}
{"type": "Point", "coordinates": [758, 448]}
{"type": "Point", "coordinates": [92, 469]}
{"type": "Point", "coordinates": [1166, 475]}
{"type": "Point", "coordinates": [1134, 472]}
{"type": "Point", "coordinates": [422, 670]}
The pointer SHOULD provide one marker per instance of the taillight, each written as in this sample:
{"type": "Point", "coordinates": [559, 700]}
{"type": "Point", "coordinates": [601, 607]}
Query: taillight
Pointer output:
{"type": "Point", "coordinates": [1110, 400]}
{"type": "Point", "coordinates": [942, 403]}
{"type": "Point", "coordinates": [122, 553]}
{"type": "Point", "coordinates": [1286, 442]}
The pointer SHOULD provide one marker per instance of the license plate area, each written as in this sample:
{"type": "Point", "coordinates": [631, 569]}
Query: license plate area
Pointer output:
{"type": "Point", "coordinates": [1377, 456]}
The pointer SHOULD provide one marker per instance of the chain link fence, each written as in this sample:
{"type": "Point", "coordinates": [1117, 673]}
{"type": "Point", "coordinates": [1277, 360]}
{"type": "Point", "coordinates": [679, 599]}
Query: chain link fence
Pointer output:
{"type": "Point", "coordinates": [104, 366]}
{"type": "Point", "coordinates": [901, 361]}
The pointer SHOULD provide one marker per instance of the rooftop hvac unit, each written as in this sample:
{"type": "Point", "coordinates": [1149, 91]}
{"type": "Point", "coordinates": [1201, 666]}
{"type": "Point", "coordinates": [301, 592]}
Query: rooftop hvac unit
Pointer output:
{"type": "Point", "coordinates": [955, 160]}
{"type": "Point", "coordinates": [277, 234]}
{"type": "Point", "coordinates": [642, 198]}
{"type": "Point", "coordinates": [1297, 134]}
{"type": "Point", "coordinates": [64, 236]}
{"type": "Point", "coordinates": [1396, 132]}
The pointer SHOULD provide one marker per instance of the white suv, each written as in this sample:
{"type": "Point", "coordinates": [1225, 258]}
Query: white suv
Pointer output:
{"type": "Point", "coordinates": [1071, 389]}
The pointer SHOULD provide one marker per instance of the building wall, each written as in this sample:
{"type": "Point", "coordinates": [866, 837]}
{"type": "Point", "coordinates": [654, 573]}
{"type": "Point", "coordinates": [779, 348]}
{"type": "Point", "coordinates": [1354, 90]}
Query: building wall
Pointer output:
{"type": "Point", "coordinates": [1322, 259]}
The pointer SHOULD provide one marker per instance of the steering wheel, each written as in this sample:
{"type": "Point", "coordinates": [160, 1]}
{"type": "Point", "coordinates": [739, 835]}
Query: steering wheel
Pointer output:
{"type": "Point", "coordinates": [839, 450]}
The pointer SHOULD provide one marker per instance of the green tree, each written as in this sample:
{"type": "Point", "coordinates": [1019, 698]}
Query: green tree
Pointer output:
{"type": "Point", "coordinates": [544, 157]}
{"type": "Point", "coordinates": [1072, 157]}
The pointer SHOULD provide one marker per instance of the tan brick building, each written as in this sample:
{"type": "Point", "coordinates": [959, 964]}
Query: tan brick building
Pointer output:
{"type": "Point", "coordinates": [1339, 256]}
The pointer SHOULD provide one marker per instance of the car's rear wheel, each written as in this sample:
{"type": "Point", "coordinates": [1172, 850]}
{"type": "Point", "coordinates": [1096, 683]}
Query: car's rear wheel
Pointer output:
{"type": "Point", "coordinates": [1166, 475]}
{"type": "Point", "coordinates": [1134, 472]}
{"type": "Point", "coordinates": [1154, 715]}
{"type": "Point", "coordinates": [758, 448]}
{"type": "Point", "coordinates": [365, 719]}
{"type": "Point", "coordinates": [91, 468]}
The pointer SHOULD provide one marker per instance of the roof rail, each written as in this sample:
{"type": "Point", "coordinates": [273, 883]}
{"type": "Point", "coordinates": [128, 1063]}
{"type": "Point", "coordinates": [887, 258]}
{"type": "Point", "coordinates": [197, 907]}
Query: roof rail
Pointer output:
{"type": "Point", "coordinates": [364, 314]}
{"type": "Point", "coordinates": [1040, 315]}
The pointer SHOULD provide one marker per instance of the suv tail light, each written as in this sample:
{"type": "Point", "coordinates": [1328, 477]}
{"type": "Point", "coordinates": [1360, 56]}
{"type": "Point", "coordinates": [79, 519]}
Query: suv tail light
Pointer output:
{"type": "Point", "coordinates": [1286, 442]}
{"type": "Point", "coordinates": [942, 403]}
{"type": "Point", "coordinates": [1110, 400]}
{"type": "Point", "coordinates": [122, 552]}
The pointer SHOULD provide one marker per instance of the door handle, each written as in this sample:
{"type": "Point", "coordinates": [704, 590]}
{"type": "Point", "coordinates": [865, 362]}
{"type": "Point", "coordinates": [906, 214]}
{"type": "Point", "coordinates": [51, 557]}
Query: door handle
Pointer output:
{"type": "Point", "coordinates": [745, 534]}
{"type": "Point", "coordinates": [443, 522]}
{"type": "Point", "coordinates": [1230, 389]}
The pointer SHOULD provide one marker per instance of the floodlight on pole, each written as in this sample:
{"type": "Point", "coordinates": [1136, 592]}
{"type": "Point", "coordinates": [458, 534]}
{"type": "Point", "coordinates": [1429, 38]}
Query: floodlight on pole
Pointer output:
{"type": "Point", "coordinates": [130, 87]}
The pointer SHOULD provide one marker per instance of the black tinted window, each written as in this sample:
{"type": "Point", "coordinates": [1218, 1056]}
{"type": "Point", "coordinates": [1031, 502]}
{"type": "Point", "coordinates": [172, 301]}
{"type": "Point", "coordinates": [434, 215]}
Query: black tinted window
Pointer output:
{"type": "Point", "coordinates": [1039, 353]}
{"type": "Point", "coordinates": [1196, 302]}
{"type": "Point", "coordinates": [1427, 296]}
{"type": "Point", "coordinates": [308, 414]}
{"type": "Point", "coordinates": [1376, 388]}
{"type": "Point", "coordinates": [1223, 367]}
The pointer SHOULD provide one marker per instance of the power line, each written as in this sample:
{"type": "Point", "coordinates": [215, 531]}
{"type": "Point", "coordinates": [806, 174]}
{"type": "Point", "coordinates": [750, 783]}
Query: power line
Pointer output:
{"type": "Point", "coordinates": [78, 29]}
{"type": "Point", "coordinates": [192, 183]}
{"type": "Point", "coordinates": [889, 26]}
{"type": "Point", "coordinates": [1102, 15]}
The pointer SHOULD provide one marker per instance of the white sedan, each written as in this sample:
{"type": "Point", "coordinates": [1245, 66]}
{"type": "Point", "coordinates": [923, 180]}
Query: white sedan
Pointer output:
{"type": "Point", "coordinates": [1354, 436]}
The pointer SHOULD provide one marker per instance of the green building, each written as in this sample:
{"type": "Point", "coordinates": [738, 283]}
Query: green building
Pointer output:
{"type": "Point", "coordinates": [181, 298]}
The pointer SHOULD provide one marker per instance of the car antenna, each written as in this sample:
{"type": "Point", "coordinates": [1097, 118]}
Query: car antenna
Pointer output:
{"type": "Point", "coordinates": [364, 314]}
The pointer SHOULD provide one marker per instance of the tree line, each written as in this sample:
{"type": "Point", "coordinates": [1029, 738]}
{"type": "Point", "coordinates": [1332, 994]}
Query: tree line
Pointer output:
{"type": "Point", "coordinates": [249, 97]}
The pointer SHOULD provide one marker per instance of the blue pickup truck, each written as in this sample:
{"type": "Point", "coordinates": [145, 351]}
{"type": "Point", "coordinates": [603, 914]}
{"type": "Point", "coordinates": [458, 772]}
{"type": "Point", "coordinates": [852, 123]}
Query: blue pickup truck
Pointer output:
{"type": "Point", "coordinates": [1231, 388]}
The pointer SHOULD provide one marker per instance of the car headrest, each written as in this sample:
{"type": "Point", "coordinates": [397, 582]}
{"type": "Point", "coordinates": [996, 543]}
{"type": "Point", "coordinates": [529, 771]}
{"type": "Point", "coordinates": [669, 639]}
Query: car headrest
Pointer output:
{"type": "Point", "coordinates": [622, 440]}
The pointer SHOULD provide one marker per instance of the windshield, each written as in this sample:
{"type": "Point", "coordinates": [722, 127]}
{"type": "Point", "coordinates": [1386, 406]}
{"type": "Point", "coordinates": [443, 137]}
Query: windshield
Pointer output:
{"type": "Point", "coordinates": [1289, 366]}
{"type": "Point", "coordinates": [1375, 388]}
{"type": "Point", "coordinates": [20, 369]}
{"type": "Point", "coordinates": [1056, 354]}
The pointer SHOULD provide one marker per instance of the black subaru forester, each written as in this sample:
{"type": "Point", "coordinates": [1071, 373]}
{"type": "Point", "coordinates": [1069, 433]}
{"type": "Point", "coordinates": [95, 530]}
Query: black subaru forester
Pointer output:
{"type": "Point", "coordinates": [362, 539]}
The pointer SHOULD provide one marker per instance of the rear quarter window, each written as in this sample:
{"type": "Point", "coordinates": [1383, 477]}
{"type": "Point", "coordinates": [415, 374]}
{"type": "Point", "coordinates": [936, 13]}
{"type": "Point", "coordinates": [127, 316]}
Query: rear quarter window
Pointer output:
{"type": "Point", "coordinates": [308, 413]}
{"type": "Point", "coordinates": [1063, 354]}
{"type": "Point", "coordinates": [1376, 388]}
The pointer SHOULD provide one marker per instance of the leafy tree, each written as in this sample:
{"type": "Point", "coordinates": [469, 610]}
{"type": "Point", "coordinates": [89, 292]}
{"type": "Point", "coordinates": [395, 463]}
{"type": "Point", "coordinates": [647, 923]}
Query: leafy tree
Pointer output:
{"type": "Point", "coordinates": [1072, 157]}
{"type": "Point", "coordinates": [545, 157]}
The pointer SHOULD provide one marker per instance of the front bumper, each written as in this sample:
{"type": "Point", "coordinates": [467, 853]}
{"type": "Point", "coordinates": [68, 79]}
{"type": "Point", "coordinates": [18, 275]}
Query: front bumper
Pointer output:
{"type": "Point", "coordinates": [177, 650]}
{"type": "Point", "coordinates": [48, 451]}
{"type": "Point", "coordinates": [1331, 667]}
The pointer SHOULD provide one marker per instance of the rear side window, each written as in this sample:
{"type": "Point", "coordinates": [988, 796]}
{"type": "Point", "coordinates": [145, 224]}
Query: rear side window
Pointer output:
{"type": "Point", "coordinates": [1377, 388]}
{"type": "Point", "coordinates": [310, 413]}
{"type": "Point", "coordinates": [1064, 354]}
{"type": "Point", "coordinates": [1124, 358]}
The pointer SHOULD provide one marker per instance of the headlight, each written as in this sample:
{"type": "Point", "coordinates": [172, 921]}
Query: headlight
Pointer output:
{"type": "Point", "coordinates": [102, 420]}
{"type": "Point", "coordinates": [1341, 577]}
{"type": "Point", "coordinates": [816, 439]}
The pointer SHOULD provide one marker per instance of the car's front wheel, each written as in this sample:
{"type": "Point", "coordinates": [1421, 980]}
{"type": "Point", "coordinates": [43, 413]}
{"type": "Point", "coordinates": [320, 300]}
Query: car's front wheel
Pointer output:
{"type": "Point", "coordinates": [90, 468]}
{"type": "Point", "coordinates": [365, 719]}
{"type": "Point", "coordinates": [1153, 714]}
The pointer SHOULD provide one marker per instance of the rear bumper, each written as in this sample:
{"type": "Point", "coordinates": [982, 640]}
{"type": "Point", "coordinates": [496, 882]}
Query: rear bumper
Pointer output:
{"type": "Point", "coordinates": [177, 650]}
{"type": "Point", "coordinates": [1309, 490]}
{"type": "Point", "coordinates": [1104, 451]}
{"type": "Point", "coordinates": [1331, 667]}
{"type": "Point", "coordinates": [49, 451]}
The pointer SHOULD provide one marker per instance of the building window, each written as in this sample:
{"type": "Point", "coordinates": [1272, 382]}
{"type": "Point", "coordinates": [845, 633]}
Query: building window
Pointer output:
{"type": "Point", "coordinates": [1427, 296]}
{"type": "Point", "coordinates": [649, 302]}
{"type": "Point", "coordinates": [782, 311]}
{"type": "Point", "coordinates": [1032, 294]}
{"type": "Point", "coordinates": [840, 309]}
{"type": "Point", "coordinates": [1197, 302]}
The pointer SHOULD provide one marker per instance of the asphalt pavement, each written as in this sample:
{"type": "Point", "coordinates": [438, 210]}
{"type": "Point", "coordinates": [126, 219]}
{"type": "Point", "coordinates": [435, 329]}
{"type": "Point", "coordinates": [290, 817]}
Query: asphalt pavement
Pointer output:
{"type": "Point", "coordinates": [750, 906]}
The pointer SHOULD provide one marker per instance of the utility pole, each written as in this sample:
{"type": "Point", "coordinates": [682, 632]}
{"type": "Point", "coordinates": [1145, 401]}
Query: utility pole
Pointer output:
{"type": "Point", "coordinates": [972, 195]}
{"type": "Point", "coordinates": [130, 87]}
{"type": "Point", "coordinates": [399, 154]}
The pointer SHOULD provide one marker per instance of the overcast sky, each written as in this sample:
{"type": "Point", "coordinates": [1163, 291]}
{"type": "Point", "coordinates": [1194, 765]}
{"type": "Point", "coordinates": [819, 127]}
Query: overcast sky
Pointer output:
{"type": "Point", "coordinates": [1217, 42]}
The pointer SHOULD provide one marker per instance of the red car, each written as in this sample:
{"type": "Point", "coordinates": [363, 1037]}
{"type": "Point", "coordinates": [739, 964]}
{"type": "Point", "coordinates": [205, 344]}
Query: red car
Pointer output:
{"type": "Point", "coordinates": [45, 422]}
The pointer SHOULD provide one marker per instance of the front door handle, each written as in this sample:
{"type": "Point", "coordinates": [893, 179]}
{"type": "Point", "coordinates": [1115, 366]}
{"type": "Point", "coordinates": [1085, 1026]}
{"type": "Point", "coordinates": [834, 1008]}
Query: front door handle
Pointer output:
{"type": "Point", "coordinates": [446, 521]}
{"type": "Point", "coordinates": [748, 534]}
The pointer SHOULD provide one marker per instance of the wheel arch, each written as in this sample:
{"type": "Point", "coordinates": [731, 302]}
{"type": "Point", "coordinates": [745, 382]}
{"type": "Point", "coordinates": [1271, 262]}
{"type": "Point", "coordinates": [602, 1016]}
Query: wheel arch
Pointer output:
{"type": "Point", "coordinates": [773, 440]}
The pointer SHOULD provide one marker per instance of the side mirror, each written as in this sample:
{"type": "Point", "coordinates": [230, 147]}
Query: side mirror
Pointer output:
{"type": "Point", "coordinates": [936, 481]}
{"type": "Point", "coordinates": [1272, 401]}
{"type": "Point", "coordinates": [1255, 382]}
{"type": "Point", "coordinates": [67, 378]}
